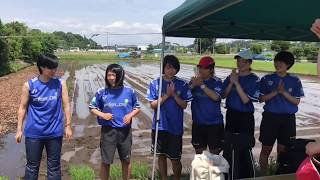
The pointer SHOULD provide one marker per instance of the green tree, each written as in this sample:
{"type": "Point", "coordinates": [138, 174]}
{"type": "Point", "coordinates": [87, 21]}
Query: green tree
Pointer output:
{"type": "Point", "coordinates": [206, 44]}
{"type": "Point", "coordinates": [297, 52]}
{"type": "Point", "coordinates": [256, 48]}
{"type": "Point", "coordinates": [221, 48]}
{"type": "Point", "coordinates": [4, 56]}
{"type": "Point", "coordinates": [280, 45]}
{"type": "Point", "coordinates": [31, 48]}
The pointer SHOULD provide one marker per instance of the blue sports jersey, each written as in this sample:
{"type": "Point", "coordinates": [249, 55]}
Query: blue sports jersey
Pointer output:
{"type": "Point", "coordinates": [171, 114]}
{"type": "Point", "coordinates": [250, 85]}
{"type": "Point", "coordinates": [205, 111]}
{"type": "Point", "coordinates": [119, 102]}
{"type": "Point", "coordinates": [279, 104]}
{"type": "Point", "coordinates": [45, 117]}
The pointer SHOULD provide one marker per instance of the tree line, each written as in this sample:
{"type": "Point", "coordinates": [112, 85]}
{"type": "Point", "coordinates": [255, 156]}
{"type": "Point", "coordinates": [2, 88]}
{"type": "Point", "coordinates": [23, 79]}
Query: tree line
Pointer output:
{"type": "Point", "coordinates": [307, 50]}
{"type": "Point", "coordinates": [18, 41]}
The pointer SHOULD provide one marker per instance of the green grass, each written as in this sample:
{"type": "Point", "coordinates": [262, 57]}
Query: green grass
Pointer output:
{"type": "Point", "coordinates": [272, 168]}
{"type": "Point", "coordinates": [223, 61]}
{"type": "Point", "coordinates": [12, 67]}
{"type": "Point", "coordinates": [81, 172]}
{"type": "Point", "coordinates": [138, 171]}
{"type": "Point", "coordinates": [4, 178]}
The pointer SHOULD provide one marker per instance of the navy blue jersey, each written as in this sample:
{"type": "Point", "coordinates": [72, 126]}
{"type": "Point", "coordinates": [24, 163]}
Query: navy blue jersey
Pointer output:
{"type": "Point", "coordinates": [45, 117]}
{"type": "Point", "coordinates": [204, 109]}
{"type": "Point", "coordinates": [250, 85]}
{"type": "Point", "coordinates": [279, 104]}
{"type": "Point", "coordinates": [171, 114]}
{"type": "Point", "coordinates": [119, 102]}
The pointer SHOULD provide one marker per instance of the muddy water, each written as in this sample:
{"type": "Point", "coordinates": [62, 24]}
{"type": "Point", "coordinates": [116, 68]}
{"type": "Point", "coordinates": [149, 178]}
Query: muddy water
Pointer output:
{"type": "Point", "coordinates": [84, 148]}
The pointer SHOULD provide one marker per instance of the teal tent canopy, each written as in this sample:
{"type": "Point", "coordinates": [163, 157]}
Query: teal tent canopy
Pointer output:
{"type": "Point", "coordinates": [243, 19]}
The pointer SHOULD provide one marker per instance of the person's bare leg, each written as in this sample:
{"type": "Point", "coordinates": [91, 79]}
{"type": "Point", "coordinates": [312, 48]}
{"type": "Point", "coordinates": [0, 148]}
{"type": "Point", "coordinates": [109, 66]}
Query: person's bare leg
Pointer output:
{"type": "Point", "coordinates": [162, 163]}
{"type": "Point", "coordinates": [126, 169]}
{"type": "Point", "coordinates": [104, 171]}
{"type": "Point", "coordinates": [176, 168]}
{"type": "Point", "coordinates": [263, 160]}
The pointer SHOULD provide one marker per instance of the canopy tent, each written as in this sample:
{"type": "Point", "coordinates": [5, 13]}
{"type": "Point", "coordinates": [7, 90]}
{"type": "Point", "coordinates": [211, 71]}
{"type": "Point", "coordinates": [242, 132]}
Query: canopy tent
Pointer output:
{"type": "Point", "coordinates": [243, 19]}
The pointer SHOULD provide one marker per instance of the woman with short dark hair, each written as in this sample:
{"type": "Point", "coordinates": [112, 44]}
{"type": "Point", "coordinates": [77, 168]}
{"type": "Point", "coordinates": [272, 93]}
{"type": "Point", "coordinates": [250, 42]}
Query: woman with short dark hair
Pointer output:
{"type": "Point", "coordinates": [45, 101]}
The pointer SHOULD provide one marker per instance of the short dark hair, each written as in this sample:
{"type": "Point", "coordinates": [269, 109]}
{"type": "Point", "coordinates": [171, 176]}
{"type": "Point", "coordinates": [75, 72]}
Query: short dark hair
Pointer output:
{"type": "Point", "coordinates": [49, 61]}
{"type": "Point", "coordinates": [118, 70]}
{"type": "Point", "coordinates": [286, 57]}
{"type": "Point", "coordinates": [173, 61]}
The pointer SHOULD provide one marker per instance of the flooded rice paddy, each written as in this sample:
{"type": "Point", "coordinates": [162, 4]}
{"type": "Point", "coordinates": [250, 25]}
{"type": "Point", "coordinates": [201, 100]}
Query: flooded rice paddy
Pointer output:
{"type": "Point", "coordinates": [84, 148]}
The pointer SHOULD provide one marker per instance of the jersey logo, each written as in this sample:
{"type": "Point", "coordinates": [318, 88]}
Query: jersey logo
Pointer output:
{"type": "Point", "coordinates": [34, 91]}
{"type": "Point", "coordinates": [270, 83]}
{"type": "Point", "coordinates": [290, 90]}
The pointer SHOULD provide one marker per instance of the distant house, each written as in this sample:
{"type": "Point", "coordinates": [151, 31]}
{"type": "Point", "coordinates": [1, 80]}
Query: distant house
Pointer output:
{"type": "Point", "coordinates": [142, 48]}
{"type": "Point", "coordinates": [74, 49]}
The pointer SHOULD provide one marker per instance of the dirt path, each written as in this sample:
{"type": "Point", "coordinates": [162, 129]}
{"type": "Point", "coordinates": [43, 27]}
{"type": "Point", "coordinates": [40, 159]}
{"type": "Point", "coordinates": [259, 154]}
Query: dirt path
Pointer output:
{"type": "Point", "coordinates": [10, 92]}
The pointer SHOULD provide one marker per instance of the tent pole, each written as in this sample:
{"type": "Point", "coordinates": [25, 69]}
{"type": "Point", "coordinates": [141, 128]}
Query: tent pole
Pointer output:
{"type": "Point", "coordinates": [318, 65]}
{"type": "Point", "coordinates": [158, 109]}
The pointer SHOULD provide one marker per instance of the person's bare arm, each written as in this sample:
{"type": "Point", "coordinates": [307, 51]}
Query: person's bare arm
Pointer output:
{"type": "Point", "coordinates": [128, 118]}
{"type": "Point", "coordinates": [66, 108]}
{"type": "Point", "coordinates": [182, 103]}
{"type": "Point", "coordinates": [154, 104]}
{"type": "Point", "coordinates": [269, 96]}
{"type": "Point", "coordinates": [22, 111]}
{"type": "Point", "coordinates": [211, 94]}
{"type": "Point", "coordinates": [243, 96]}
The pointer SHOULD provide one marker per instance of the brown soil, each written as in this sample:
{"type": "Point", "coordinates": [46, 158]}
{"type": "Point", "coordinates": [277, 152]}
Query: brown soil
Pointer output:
{"type": "Point", "coordinates": [10, 92]}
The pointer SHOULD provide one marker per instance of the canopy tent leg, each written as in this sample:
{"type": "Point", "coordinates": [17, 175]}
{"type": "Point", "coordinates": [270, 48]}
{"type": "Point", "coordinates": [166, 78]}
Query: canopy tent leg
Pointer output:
{"type": "Point", "coordinates": [158, 109]}
{"type": "Point", "coordinates": [318, 65]}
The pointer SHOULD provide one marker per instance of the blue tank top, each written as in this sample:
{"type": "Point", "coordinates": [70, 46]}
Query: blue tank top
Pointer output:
{"type": "Point", "coordinates": [45, 116]}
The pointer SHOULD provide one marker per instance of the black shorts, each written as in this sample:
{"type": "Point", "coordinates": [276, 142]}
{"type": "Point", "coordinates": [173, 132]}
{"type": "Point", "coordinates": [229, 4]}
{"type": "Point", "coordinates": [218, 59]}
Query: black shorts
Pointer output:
{"type": "Point", "coordinates": [112, 139]}
{"type": "Point", "coordinates": [207, 135]}
{"type": "Point", "coordinates": [239, 122]}
{"type": "Point", "coordinates": [168, 144]}
{"type": "Point", "coordinates": [277, 126]}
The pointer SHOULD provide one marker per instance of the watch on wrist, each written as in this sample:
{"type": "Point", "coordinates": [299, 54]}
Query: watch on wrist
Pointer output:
{"type": "Point", "coordinates": [203, 86]}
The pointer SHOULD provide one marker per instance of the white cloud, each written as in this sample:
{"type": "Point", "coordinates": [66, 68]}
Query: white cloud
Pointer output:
{"type": "Point", "coordinates": [126, 27]}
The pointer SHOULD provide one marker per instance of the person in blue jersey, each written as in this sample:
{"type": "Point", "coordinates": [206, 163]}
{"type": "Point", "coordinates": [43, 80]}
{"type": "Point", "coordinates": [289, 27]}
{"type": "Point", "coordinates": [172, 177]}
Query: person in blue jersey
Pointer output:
{"type": "Point", "coordinates": [207, 126]}
{"type": "Point", "coordinates": [46, 108]}
{"type": "Point", "coordinates": [115, 105]}
{"type": "Point", "coordinates": [281, 93]}
{"type": "Point", "coordinates": [175, 94]}
{"type": "Point", "coordinates": [241, 89]}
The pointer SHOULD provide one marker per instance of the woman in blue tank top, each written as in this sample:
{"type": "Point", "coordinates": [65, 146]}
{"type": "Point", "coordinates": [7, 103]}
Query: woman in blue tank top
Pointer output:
{"type": "Point", "coordinates": [45, 101]}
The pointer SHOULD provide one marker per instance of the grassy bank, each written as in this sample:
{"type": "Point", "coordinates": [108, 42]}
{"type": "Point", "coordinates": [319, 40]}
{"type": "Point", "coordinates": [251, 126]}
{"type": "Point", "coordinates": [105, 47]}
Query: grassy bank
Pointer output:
{"type": "Point", "coordinates": [12, 67]}
{"type": "Point", "coordinates": [223, 61]}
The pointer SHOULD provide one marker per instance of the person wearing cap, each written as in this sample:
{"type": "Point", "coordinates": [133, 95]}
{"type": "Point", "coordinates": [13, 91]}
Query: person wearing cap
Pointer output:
{"type": "Point", "coordinates": [207, 125]}
{"type": "Point", "coordinates": [281, 93]}
{"type": "Point", "coordinates": [241, 89]}
{"type": "Point", "coordinates": [175, 94]}
{"type": "Point", "coordinates": [115, 105]}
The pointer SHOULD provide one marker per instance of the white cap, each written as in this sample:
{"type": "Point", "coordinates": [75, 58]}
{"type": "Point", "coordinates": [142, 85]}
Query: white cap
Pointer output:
{"type": "Point", "coordinates": [244, 54]}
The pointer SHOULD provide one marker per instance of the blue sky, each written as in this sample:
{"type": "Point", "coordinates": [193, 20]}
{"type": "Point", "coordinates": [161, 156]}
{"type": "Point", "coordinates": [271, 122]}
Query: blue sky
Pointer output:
{"type": "Point", "coordinates": [95, 16]}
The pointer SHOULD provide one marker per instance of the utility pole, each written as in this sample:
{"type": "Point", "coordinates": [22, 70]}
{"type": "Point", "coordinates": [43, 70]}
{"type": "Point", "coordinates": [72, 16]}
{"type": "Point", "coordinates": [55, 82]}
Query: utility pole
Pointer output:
{"type": "Point", "coordinates": [200, 46]}
{"type": "Point", "coordinates": [213, 44]}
